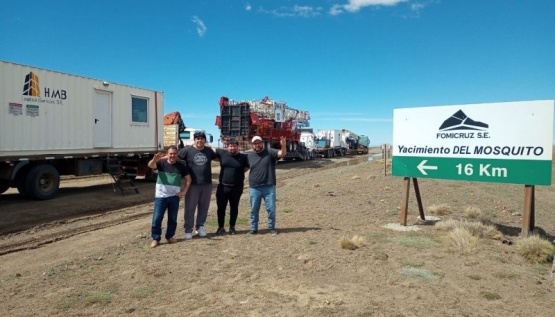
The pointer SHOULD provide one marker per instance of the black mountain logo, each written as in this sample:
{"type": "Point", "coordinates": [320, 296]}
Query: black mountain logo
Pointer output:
{"type": "Point", "coordinates": [460, 121]}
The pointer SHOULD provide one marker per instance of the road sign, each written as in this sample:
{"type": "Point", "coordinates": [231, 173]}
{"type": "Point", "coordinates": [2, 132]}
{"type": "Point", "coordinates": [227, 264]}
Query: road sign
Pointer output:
{"type": "Point", "coordinates": [503, 142]}
{"type": "Point", "coordinates": [465, 169]}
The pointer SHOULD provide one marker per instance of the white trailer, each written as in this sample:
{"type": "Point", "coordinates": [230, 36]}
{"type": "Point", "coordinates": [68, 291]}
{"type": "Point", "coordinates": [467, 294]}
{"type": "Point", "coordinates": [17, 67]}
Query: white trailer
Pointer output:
{"type": "Point", "coordinates": [53, 124]}
{"type": "Point", "coordinates": [330, 143]}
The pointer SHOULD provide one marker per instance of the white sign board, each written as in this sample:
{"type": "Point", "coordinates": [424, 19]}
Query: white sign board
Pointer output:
{"type": "Point", "coordinates": [508, 142]}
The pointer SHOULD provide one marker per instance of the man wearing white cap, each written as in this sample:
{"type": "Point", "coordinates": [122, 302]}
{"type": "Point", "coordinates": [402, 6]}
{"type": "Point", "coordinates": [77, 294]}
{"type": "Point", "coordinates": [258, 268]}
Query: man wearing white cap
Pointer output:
{"type": "Point", "coordinates": [262, 181]}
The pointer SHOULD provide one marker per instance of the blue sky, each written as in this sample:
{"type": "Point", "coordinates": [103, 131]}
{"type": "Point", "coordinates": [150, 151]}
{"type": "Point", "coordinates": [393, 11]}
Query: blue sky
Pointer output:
{"type": "Point", "coordinates": [348, 62]}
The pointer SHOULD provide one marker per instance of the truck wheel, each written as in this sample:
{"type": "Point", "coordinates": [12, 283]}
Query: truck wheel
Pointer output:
{"type": "Point", "coordinates": [4, 185]}
{"type": "Point", "coordinates": [43, 182]}
{"type": "Point", "coordinates": [21, 184]}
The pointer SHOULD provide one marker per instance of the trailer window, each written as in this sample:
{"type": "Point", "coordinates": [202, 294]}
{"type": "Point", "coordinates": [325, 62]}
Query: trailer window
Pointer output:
{"type": "Point", "coordinates": [139, 110]}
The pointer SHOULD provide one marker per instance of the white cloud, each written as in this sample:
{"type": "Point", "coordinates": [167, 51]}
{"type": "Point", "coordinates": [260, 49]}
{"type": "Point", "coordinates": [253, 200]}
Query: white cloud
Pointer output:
{"type": "Point", "coordinates": [336, 9]}
{"type": "Point", "coordinates": [295, 11]}
{"type": "Point", "coordinates": [306, 11]}
{"type": "Point", "coordinates": [201, 28]}
{"type": "Point", "coordinates": [356, 5]}
{"type": "Point", "coordinates": [417, 7]}
{"type": "Point", "coordinates": [248, 7]}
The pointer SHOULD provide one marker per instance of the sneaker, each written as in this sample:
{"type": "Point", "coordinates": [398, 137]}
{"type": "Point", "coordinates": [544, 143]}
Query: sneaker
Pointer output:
{"type": "Point", "coordinates": [232, 230]}
{"type": "Point", "coordinates": [154, 243]}
{"type": "Point", "coordinates": [220, 232]}
{"type": "Point", "coordinates": [273, 232]}
{"type": "Point", "coordinates": [172, 240]}
{"type": "Point", "coordinates": [188, 236]}
{"type": "Point", "coordinates": [252, 232]}
{"type": "Point", "coordinates": [201, 232]}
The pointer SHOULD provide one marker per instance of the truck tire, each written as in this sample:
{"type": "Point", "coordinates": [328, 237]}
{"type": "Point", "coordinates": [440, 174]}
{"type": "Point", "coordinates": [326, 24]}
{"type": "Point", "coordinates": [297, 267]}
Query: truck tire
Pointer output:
{"type": "Point", "coordinates": [20, 183]}
{"type": "Point", "coordinates": [43, 182]}
{"type": "Point", "coordinates": [4, 185]}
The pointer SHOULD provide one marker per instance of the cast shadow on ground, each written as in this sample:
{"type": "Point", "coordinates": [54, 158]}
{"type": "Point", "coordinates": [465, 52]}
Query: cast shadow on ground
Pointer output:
{"type": "Point", "coordinates": [516, 231]}
{"type": "Point", "coordinates": [243, 232]}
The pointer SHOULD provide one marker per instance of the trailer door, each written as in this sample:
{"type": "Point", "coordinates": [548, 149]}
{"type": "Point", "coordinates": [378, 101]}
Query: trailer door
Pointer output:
{"type": "Point", "coordinates": [102, 119]}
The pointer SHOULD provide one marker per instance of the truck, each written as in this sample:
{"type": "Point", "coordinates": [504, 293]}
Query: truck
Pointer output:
{"type": "Point", "coordinates": [340, 142]}
{"type": "Point", "coordinates": [269, 119]}
{"type": "Point", "coordinates": [363, 144]}
{"type": "Point", "coordinates": [355, 144]}
{"type": "Point", "coordinates": [55, 123]}
{"type": "Point", "coordinates": [331, 143]}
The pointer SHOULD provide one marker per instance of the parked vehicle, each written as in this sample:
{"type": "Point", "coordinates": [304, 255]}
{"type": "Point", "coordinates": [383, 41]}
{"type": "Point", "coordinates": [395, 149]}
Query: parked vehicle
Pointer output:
{"type": "Point", "coordinates": [363, 144]}
{"type": "Point", "coordinates": [331, 143]}
{"type": "Point", "coordinates": [355, 144]}
{"type": "Point", "coordinates": [268, 119]}
{"type": "Point", "coordinates": [272, 119]}
{"type": "Point", "coordinates": [55, 123]}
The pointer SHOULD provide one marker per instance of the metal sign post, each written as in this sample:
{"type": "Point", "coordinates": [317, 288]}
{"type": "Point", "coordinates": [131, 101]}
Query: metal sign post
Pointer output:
{"type": "Point", "coordinates": [508, 142]}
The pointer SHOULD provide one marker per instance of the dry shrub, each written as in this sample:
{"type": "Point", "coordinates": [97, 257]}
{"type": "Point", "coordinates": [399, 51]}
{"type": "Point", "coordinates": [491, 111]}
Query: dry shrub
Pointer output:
{"type": "Point", "coordinates": [535, 249]}
{"type": "Point", "coordinates": [439, 210]}
{"type": "Point", "coordinates": [477, 229]}
{"type": "Point", "coordinates": [462, 241]}
{"type": "Point", "coordinates": [448, 224]}
{"type": "Point", "coordinates": [472, 213]}
{"type": "Point", "coordinates": [353, 243]}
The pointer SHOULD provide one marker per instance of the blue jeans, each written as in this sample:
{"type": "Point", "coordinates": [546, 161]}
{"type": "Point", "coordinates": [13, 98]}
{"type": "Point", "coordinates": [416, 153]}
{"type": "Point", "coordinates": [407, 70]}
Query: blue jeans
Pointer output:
{"type": "Point", "coordinates": [160, 206]}
{"type": "Point", "coordinates": [268, 193]}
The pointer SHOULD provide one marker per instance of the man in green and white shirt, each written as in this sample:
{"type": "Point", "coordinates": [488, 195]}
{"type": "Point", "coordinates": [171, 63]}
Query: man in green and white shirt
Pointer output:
{"type": "Point", "coordinates": [172, 183]}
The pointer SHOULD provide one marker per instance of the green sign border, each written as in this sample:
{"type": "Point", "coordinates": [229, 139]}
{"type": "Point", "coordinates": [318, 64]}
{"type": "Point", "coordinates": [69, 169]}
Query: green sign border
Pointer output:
{"type": "Point", "coordinates": [527, 172]}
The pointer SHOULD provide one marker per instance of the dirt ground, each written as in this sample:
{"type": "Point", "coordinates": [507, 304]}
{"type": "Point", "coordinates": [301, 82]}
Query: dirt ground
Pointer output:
{"type": "Point", "coordinates": [86, 253]}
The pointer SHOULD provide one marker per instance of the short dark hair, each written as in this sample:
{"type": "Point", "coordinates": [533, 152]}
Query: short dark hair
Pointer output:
{"type": "Point", "coordinates": [232, 141]}
{"type": "Point", "coordinates": [199, 135]}
{"type": "Point", "coordinates": [172, 147]}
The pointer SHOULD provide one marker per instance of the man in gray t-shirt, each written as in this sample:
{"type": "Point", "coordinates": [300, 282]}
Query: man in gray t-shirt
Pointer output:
{"type": "Point", "coordinates": [262, 181]}
{"type": "Point", "coordinates": [199, 159]}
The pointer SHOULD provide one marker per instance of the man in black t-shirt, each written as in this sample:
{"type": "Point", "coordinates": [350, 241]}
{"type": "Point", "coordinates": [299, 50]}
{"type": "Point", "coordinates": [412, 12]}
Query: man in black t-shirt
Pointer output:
{"type": "Point", "coordinates": [262, 181]}
{"type": "Point", "coordinates": [233, 166]}
{"type": "Point", "coordinates": [199, 159]}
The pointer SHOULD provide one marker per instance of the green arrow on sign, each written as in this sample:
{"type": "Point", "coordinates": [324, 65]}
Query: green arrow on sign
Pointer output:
{"type": "Point", "coordinates": [422, 167]}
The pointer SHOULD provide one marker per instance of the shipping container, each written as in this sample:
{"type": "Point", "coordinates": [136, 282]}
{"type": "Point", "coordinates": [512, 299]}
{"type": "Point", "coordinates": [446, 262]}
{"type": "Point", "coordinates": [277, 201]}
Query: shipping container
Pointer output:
{"type": "Point", "coordinates": [54, 123]}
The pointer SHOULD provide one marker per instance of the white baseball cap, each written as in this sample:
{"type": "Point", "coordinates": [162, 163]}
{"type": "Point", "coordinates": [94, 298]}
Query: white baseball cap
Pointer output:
{"type": "Point", "coordinates": [256, 138]}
